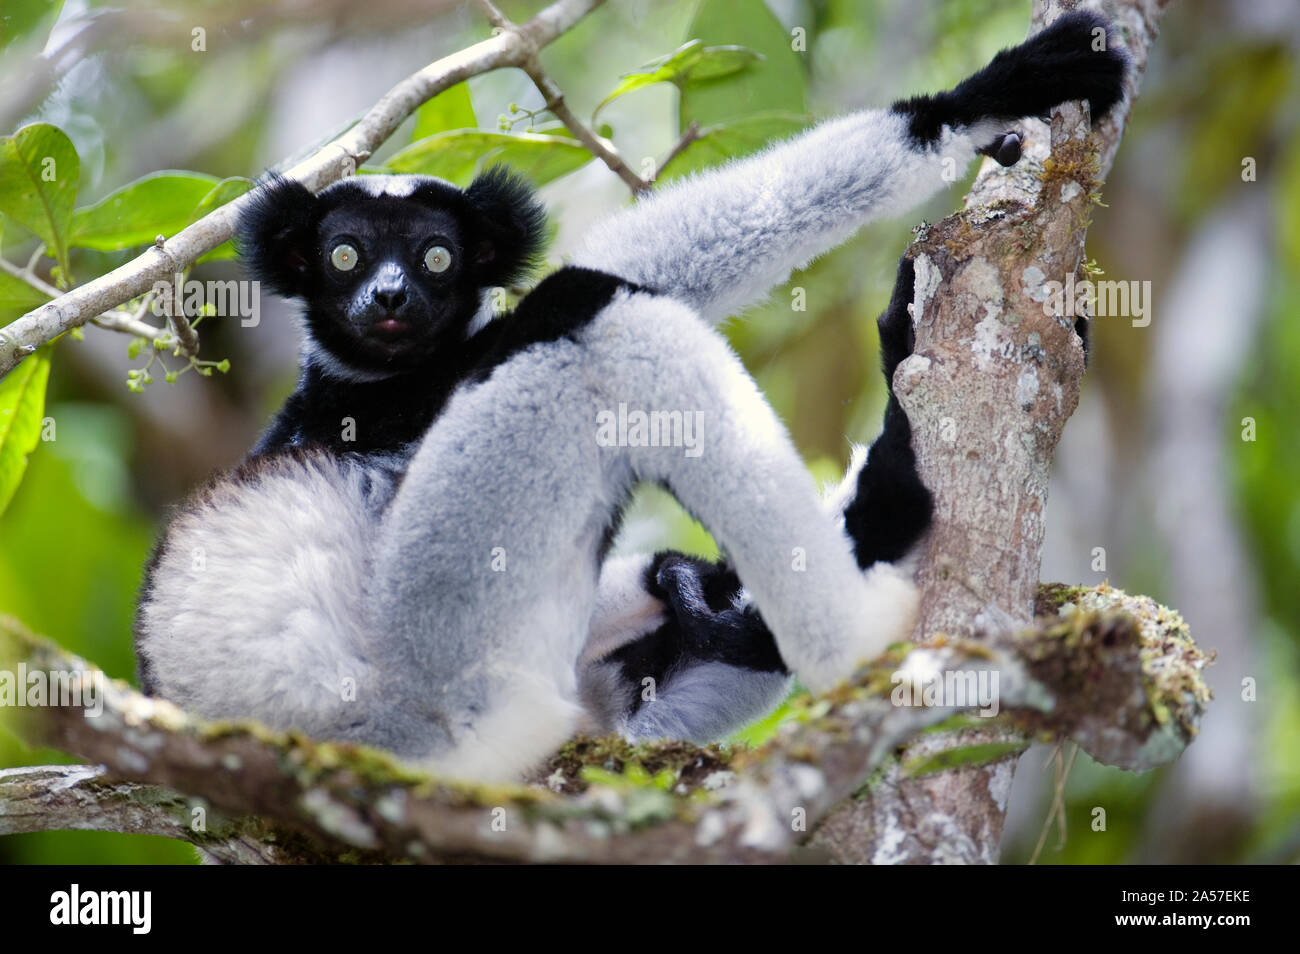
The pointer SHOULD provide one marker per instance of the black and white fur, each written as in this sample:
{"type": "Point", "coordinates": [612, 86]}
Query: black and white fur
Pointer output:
{"type": "Point", "coordinates": [690, 656]}
{"type": "Point", "coordinates": [410, 556]}
{"type": "Point", "coordinates": [438, 584]}
{"type": "Point", "coordinates": [702, 665]}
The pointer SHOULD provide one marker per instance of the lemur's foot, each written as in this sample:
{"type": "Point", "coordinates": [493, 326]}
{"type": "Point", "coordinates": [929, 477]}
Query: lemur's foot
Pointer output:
{"type": "Point", "coordinates": [1005, 149]}
{"type": "Point", "coordinates": [713, 626]}
{"type": "Point", "coordinates": [1078, 57]}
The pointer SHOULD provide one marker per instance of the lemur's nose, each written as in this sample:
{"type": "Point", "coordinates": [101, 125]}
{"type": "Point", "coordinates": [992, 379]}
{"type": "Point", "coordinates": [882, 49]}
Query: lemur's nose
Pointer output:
{"type": "Point", "coordinates": [391, 296]}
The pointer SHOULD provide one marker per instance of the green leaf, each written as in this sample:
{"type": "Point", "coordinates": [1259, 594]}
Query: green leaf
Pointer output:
{"type": "Point", "coordinates": [22, 405]}
{"type": "Point", "coordinates": [691, 61]}
{"type": "Point", "coordinates": [776, 84]}
{"type": "Point", "coordinates": [450, 109]}
{"type": "Point", "coordinates": [159, 203]}
{"type": "Point", "coordinates": [225, 191]}
{"type": "Point", "coordinates": [17, 298]}
{"type": "Point", "coordinates": [39, 169]}
{"type": "Point", "coordinates": [21, 18]}
{"type": "Point", "coordinates": [718, 144]}
{"type": "Point", "coordinates": [458, 154]}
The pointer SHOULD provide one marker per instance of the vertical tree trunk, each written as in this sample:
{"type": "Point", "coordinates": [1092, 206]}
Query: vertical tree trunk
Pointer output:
{"type": "Point", "coordinates": [994, 377]}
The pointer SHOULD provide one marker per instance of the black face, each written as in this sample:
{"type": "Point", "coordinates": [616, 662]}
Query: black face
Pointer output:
{"type": "Point", "coordinates": [391, 269]}
{"type": "Point", "coordinates": [394, 278]}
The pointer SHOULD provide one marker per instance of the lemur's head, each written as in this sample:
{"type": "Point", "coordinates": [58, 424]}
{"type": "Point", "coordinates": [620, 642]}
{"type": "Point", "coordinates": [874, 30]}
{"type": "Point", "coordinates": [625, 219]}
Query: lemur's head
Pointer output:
{"type": "Point", "coordinates": [390, 268]}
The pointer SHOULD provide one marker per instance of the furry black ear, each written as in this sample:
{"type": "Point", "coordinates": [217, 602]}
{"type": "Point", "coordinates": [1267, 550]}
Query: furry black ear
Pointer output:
{"type": "Point", "coordinates": [277, 234]}
{"type": "Point", "coordinates": [511, 231]}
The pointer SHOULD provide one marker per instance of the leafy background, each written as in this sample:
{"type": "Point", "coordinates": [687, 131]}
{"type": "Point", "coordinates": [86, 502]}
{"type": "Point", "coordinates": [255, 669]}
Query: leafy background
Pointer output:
{"type": "Point", "coordinates": [118, 93]}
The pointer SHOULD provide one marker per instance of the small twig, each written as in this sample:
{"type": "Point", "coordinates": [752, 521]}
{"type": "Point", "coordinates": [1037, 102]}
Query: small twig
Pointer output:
{"type": "Point", "coordinates": [146, 303]}
{"type": "Point", "coordinates": [30, 277]}
{"type": "Point", "coordinates": [1062, 777]}
{"type": "Point", "coordinates": [131, 324]}
{"type": "Point", "coordinates": [1057, 809]}
{"type": "Point", "coordinates": [127, 324]}
{"type": "Point", "coordinates": [186, 336]}
{"type": "Point", "coordinates": [691, 135]}
{"type": "Point", "coordinates": [598, 146]}
{"type": "Point", "coordinates": [494, 15]}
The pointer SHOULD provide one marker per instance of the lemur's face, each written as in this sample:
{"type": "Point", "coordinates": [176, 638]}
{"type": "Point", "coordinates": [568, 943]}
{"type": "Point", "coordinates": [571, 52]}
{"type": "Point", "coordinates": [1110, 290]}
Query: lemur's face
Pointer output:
{"type": "Point", "coordinates": [392, 269]}
{"type": "Point", "coordinates": [395, 279]}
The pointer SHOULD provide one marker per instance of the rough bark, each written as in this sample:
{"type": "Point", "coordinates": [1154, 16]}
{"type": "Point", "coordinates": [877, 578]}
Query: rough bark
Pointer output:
{"type": "Point", "coordinates": [993, 379]}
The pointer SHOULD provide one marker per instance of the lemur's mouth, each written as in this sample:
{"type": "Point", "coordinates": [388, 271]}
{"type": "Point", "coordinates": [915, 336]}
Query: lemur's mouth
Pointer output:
{"type": "Point", "coordinates": [389, 327]}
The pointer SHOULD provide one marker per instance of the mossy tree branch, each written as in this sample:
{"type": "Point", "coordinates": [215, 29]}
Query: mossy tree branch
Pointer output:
{"type": "Point", "coordinates": [1116, 673]}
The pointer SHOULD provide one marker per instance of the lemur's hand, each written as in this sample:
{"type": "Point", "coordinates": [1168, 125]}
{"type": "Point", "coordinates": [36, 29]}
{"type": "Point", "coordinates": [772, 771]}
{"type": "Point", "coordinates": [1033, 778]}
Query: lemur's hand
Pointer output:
{"type": "Point", "coordinates": [702, 598]}
{"type": "Point", "coordinates": [1078, 57]}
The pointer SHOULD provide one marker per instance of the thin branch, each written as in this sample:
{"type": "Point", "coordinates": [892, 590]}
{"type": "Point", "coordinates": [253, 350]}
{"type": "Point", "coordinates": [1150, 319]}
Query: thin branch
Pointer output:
{"type": "Point", "coordinates": [691, 134]}
{"type": "Point", "coordinates": [328, 164]}
{"type": "Point", "coordinates": [1056, 810]}
{"type": "Point", "coordinates": [129, 325]}
{"type": "Point", "coordinates": [494, 15]}
{"type": "Point", "coordinates": [30, 277]}
{"type": "Point", "coordinates": [187, 338]}
{"type": "Point", "coordinates": [598, 146]}
{"type": "Point", "coordinates": [37, 254]}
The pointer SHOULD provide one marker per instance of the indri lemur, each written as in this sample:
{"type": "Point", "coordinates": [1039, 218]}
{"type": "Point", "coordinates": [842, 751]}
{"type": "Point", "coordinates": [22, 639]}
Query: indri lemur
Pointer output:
{"type": "Point", "coordinates": [414, 555]}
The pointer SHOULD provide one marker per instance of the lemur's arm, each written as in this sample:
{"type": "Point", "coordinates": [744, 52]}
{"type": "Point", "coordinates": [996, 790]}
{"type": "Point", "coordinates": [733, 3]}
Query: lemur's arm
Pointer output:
{"type": "Point", "coordinates": [722, 240]}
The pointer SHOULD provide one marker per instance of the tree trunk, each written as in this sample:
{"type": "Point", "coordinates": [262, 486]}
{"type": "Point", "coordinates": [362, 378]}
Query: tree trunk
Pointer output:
{"type": "Point", "coordinates": [994, 376]}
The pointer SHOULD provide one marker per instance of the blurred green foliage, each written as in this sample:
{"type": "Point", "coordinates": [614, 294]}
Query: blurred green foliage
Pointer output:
{"type": "Point", "coordinates": [80, 524]}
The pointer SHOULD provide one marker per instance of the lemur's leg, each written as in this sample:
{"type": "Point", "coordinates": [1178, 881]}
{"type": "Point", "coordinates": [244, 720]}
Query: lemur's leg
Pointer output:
{"type": "Point", "coordinates": [484, 574]}
{"type": "Point", "coordinates": [890, 507]}
{"type": "Point", "coordinates": [722, 240]}
{"type": "Point", "coordinates": [743, 473]}
{"type": "Point", "coordinates": [674, 629]}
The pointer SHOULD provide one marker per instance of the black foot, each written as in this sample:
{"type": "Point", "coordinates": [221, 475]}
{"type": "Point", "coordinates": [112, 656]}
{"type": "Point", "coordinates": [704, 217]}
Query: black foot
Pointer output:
{"type": "Point", "coordinates": [700, 598]}
{"type": "Point", "coordinates": [1077, 57]}
{"type": "Point", "coordinates": [1005, 149]}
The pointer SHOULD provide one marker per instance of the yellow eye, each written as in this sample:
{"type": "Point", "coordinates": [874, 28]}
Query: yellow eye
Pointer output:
{"type": "Point", "coordinates": [437, 259]}
{"type": "Point", "coordinates": [344, 257]}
